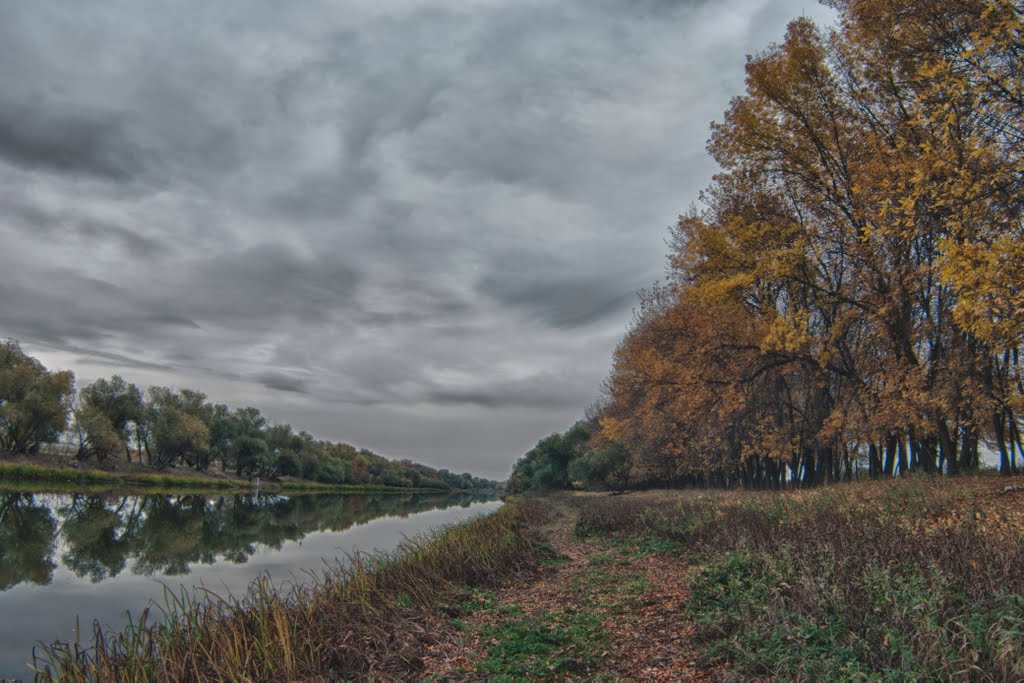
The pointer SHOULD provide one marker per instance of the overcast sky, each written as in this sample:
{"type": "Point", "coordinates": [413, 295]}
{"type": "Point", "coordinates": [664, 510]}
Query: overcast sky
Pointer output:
{"type": "Point", "coordinates": [417, 226]}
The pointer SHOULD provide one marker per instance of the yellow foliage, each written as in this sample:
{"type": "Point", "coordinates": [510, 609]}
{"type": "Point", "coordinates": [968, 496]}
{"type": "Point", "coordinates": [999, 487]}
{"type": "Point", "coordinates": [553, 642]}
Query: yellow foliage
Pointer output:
{"type": "Point", "coordinates": [857, 273]}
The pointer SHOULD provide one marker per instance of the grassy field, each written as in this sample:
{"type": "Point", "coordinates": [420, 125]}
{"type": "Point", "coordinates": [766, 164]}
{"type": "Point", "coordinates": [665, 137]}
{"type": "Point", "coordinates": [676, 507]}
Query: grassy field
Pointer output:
{"type": "Point", "coordinates": [900, 580]}
{"type": "Point", "coordinates": [915, 579]}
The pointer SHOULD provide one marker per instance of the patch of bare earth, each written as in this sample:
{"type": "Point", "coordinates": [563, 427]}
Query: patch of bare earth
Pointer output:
{"type": "Point", "coordinates": [638, 597]}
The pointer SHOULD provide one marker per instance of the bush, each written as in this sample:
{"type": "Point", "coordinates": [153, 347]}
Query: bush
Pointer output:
{"type": "Point", "coordinates": [607, 468]}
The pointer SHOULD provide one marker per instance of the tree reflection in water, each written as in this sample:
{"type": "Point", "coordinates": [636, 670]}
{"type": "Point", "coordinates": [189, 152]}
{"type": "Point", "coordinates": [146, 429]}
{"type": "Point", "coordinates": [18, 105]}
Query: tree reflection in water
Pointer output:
{"type": "Point", "coordinates": [27, 538]}
{"type": "Point", "coordinates": [100, 536]}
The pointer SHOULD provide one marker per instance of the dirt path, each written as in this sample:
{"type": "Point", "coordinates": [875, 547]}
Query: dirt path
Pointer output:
{"type": "Point", "coordinates": [598, 611]}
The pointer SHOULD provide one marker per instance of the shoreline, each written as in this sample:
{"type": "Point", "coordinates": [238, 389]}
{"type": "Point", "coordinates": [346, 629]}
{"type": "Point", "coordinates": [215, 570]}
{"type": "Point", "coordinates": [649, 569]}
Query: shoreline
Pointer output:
{"type": "Point", "coordinates": [657, 585]}
{"type": "Point", "coordinates": [17, 475]}
{"type": "Point", "coordinates": [370, 619]}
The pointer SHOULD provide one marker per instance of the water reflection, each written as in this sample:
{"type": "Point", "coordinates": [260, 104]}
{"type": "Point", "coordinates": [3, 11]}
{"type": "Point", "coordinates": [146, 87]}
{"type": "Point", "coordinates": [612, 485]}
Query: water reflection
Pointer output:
{"type": "Point", "coordinates": [99, 537]}
{"type": "Point", "coordinates": [27, 539]}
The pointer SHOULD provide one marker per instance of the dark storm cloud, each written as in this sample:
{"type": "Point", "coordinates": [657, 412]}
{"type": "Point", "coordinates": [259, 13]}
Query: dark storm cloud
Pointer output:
{"type": "Point", "coordinates": [415, 225]}
{"type": "Point", "coordinates": [73, 144]}
{"type": "Point", "coordinates": [265, 283]}
{"type": "Point", "coordinates": [66, 306]}
{"type": "Point", "coordinates": [280, 382]}
{"type": "Point", "coordinates": [90, 355]}
{"type": "Point", "coordinates": [560, 391]}
{"type": "Point", "coordinates": [565, 302]}
{"type": "Point", "coordinates": [34, 220]}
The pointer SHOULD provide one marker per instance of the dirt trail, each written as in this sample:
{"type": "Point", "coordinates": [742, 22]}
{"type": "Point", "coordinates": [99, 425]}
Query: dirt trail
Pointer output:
{"type": "Point", "coordinates": [633, 597]}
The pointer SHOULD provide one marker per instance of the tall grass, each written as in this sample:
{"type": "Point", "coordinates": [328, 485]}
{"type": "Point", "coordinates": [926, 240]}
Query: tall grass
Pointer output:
{"type": "Point", "coordinates": [920, 579]}
{"type": "Point", "coordinates": [371, 617]}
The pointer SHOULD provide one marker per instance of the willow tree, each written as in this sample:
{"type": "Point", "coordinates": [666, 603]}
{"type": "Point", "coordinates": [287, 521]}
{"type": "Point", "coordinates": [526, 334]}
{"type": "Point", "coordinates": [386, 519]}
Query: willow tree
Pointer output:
{"type": "Point", "coordinates": [34, 402]}
{"type": "Point", "coordinates": [110, 412]}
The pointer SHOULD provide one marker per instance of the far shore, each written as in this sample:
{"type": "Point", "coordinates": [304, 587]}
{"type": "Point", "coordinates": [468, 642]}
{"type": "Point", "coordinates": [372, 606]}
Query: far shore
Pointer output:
{"type": "Point", "coordinates": [44, 474]}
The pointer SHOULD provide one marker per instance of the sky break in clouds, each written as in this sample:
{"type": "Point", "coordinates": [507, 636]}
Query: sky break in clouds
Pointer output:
{"type": "Point", "coordinates": [416, 226]}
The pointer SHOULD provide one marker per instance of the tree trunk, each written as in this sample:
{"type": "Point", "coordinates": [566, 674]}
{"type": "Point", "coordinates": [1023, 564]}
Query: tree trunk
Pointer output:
{"type": "Point", "coordinates": [969, 458]}
{"type": "Point", "coordinates": [873, 460]}
{"type": "Point", "coordinates": [890, 453]}
{"type": "Point", "coordinates": [1014, 439]}
{"type": "Point", "coordinates": [947, 449]}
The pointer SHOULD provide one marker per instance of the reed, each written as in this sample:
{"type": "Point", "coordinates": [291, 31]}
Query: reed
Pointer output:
{"type": "Point", "coordinates": [370, 616]}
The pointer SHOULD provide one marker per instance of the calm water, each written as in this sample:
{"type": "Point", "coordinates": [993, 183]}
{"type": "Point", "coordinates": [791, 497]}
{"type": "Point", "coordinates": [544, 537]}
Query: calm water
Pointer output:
{"type": "Point", "coordinates": [92, 557]}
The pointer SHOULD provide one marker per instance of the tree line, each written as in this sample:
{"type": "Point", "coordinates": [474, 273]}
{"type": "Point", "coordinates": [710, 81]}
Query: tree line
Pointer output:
{"type": "Point", "coordinates": [850, 293]}
{"type": "Point", "coordinates": [582, 457]}
{"type": "Point", "coordinates": [166, 428]}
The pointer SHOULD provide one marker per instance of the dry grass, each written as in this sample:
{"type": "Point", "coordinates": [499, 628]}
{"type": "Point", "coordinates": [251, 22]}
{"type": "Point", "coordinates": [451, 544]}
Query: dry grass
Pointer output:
{"type": "Point", "coordinates": [921, 578]}
{"type": "Point", "coordinates": [371, 618]}
{"type": "Point", "coordinates": [595, 611]}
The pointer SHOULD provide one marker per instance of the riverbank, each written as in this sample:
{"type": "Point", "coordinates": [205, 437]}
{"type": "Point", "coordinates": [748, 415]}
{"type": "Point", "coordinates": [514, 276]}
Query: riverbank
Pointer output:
{"type": "Point", "coordinates": [368, 618]}
{"type": "Point", "coordinates": [917, 578]}
{"type": "Point", "coordinates": [16, 475]}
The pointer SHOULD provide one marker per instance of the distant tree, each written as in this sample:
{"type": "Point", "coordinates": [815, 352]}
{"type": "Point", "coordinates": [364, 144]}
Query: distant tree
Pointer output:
{"type": "Point", "coordinates": [608, 468]}
{"type": "Point", "coordinates": [172, 426]}
{"type": "Point", "coordinates": [335, 472]}
{"type": "Point", "coordinates": [252, 455]}
{"type": "Point", "coordinates": [177, 434]}
{"type": "Point", "coordinates": [34, 402]}
{"type": "Point", "coordinates": [290, 465]}
{"type": "Point", "coordinates": [223, 430]}
{"type": "Point", "coordinates": [118, 402]}
{"type": "Point", "coordinates": [545, 466]}
{"type": "Point", "coordinates": [94, 433]}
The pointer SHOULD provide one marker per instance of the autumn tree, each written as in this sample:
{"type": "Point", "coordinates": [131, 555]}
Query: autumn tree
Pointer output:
{"type": "Point", "coordinates": [851, 289]}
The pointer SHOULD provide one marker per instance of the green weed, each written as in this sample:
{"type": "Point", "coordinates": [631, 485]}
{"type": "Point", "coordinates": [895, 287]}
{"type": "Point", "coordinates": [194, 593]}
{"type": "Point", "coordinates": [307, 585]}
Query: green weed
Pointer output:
{"type": "Point", "coordinates": [898, 580]}
{"type": "Point", "coordinates": [554, 644]}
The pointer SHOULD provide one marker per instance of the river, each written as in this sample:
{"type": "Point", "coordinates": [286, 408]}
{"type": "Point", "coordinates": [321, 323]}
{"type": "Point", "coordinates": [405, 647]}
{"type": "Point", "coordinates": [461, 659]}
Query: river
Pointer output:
{"type": "Point", "coordinates": [68, 558]}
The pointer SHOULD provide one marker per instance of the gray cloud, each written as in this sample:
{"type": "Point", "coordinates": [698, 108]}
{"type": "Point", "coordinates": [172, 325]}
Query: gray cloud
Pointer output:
{"type": "Point", "coordinates": [417, 226]}
{"type": "Point", "coordinates": [562, 302]}
{"type": "Point", "coordinates": [262, 284]}
{"type": "Point", "coordinates": [67, 144]}
{"type": "Point", "coordinates": [35, 220]}
{"type": "Point", "coordinates": [281, 382]}
{"type": "Point", "coordinates": [558, 391]}
{"type": "Point", "coordinates": [132, 242]}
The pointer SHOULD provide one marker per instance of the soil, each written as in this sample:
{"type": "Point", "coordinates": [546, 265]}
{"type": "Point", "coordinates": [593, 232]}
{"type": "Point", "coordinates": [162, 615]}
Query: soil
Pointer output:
{"type": "Point", "coordinates": [638, 596]}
